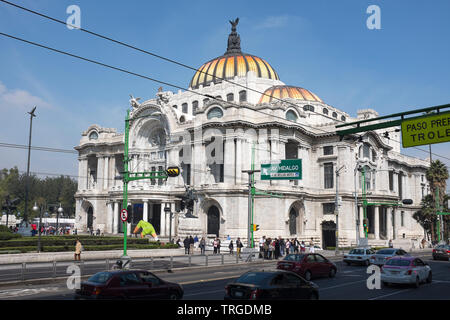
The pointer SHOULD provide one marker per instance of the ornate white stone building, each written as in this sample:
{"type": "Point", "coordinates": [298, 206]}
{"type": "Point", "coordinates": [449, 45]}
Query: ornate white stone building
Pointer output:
{"type": "Point", "coordinates": [225, 107]}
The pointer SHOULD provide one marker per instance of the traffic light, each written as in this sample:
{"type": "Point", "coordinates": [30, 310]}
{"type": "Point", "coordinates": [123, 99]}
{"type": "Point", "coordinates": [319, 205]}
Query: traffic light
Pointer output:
{"type": "Point", "coordinates": [173, 171]}
{"type": "Point", "coordinates": [366, 225]}
{"type": "Point", "coordinates": [255, 227]}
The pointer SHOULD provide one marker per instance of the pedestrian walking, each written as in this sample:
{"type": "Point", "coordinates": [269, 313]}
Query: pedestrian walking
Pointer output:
{"type": "Point", "coordinates": [288, 246]}
{"type": "Point", "coordinates": [296, 246]}
{"type": "Point", "coordinates": [276, 249]}
{"type": "Point", "coordinates": [186, 245]}
{"type": "Point", "coordinates": [261, 247]}
{"type": "Point", "coordinates": [282, 246]}
{"type": "Point", "coordinates": [191, 245]}
{"type": "Point", "coordinates": [218, 245]}
{"type": "Point", "coordinates": [391, 245]}
{"type": "Point", "coordinates": [311, 246]}
{"type": "Point", "coordinates": [78, 250]}
{"type": "Point", "coordinates": [202, 246]}
{"type": "Point", "coordinates": [302, 247]}
{"type": "Point", "coordinates": [239, 246]}
{"type": "Point", "coordinates": [215, 246]}
{"type": "Point", "coordinates": [230, 246]}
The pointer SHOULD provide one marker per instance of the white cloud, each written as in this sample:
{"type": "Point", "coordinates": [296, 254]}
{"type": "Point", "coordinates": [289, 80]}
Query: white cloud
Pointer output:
{"type": "Point", "coordinates": [273, 22]}
{"type": "Point", "coordinates": [13, 99]}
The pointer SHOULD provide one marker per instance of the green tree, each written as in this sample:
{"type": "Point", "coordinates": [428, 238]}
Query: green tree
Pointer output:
{"type": "Point", "coordinates": [426, 216]}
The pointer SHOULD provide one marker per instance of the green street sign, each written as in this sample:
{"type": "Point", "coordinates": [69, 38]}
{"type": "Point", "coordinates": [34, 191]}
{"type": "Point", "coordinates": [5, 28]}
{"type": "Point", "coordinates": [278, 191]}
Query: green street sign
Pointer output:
{"type": "Point", "coordinates": [283, 170]}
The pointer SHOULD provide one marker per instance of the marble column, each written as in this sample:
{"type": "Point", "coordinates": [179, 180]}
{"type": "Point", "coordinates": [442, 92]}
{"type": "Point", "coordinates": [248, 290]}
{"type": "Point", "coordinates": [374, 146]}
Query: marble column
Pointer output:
{"type": "Point", "coordinates": [238, 161]}
{"type": "Point", "coordinates": [106, 175]}
{"type": "Point", "coordinates": [100, 172]}
{"type": "Point", "coordinates": [377, 222]}
{"type": "Point", "coordinates": [394, 223]}
{"type": "Point", "coordinates": [115, 218]}
{"type": "Point", "coordinates": [112, 170]}
{"type": "Point", "coordinates": [109, 217]}
{"type": "Point", "coordinates": [263, 155]}
{"type": "Point", "coordinates": [145, 211]}
{"type": "Point", "coordinates": [229, 161]}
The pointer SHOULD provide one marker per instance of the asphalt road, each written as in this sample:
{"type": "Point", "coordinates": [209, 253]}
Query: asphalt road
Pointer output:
{"type": "Point", "coordinates": [208, 284]}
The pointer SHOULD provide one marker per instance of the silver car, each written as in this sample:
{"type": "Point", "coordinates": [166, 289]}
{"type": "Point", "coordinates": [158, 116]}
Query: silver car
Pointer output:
{"type": "Point", "coordinates": [382, 255]}
{"type": "Point", "coordinates": [359, 256]}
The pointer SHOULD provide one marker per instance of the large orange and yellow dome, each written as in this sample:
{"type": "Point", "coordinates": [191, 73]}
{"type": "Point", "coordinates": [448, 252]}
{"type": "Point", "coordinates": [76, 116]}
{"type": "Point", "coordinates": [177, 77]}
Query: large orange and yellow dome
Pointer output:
{"type": "Point", "coordinates": [233, 63]}
{"type": "Point", "coordinates": [230, 65]}
{"type": "Point", "coordinates": [281, 92]}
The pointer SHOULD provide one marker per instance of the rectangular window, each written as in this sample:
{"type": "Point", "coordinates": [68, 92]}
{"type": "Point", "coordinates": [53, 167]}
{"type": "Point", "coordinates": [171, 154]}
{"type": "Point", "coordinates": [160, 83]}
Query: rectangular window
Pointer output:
{"type": "Point", "coordinates": [402, 218]}
{"type": "Point", "coordinates": [194, 107]}
{"type": "Point", "coordinates": [391, 180]}
{"type": "Point", "coordinates": [153, 180]}
{"type": "Point", "coordinates": [242, 96]}
{"type": "Point", "coordinates": [160, 181]}
{"type": "Point", "coordinates": [366, 151]}
{"type": "Point", "coordinates": [400, 185]}
{"type": "Point", "coordinates": [328, 208]}
{"type": "Point", "coordinates": [184, 108]}
{"type": "Point", "coordinates": [328, 175]}
{"type": "Point", "coordinates": [328, 150]}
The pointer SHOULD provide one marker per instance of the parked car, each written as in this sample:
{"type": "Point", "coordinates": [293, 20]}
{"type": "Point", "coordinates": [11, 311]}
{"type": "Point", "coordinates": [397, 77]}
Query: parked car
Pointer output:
{"type": "Point", "coordinates": [382, 255]}
{"type": "Point", "coordinates": [271, 285]}
{"type": "Point", "coordinates": [441, 252]}
{"type": "Point", "coordinates": [128, 284]}
{"type": "Point", "coordinates": [308, 265]}
{"type": "Point", "coordinates": [359, 256]}
{"type": "Point", "coordinates": [406, 269]}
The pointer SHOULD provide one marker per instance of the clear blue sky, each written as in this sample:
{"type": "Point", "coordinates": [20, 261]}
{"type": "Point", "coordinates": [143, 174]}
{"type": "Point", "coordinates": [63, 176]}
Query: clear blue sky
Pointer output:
{"type": "Point", "coordinates": [323, 46]}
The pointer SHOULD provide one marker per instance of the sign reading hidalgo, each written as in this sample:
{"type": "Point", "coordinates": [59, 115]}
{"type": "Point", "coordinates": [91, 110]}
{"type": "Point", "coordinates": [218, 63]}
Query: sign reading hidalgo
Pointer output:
{"type": "Point", "coordinates": [426, 130]}
{"type": "Point", "coordinates": [283, 170]}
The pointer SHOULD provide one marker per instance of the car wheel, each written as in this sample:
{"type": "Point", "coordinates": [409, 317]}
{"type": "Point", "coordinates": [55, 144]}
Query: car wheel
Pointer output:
{"type": "Point", "coordinates": [417, 283]}
{"type": "Point", "coordinates": [173, 296]}
{"type": "Point", "coordinates": [308, 275]}
{"type": "Point", "coordinates": [332, 273]}
{"type": "Point", "coordinates": [430, 278]}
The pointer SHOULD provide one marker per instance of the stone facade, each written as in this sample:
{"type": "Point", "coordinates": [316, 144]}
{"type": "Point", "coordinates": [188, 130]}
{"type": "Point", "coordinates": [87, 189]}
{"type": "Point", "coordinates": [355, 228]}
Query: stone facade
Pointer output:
{"type": "Point", "coordinates": [181, 128]}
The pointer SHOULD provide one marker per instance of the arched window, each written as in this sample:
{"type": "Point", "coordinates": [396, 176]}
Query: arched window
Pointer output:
{"type": "Point", "coordinates": [182, 119]}
{"type": "Point", "coordinates": [343, 118]}
{"type": "Point", "coordinates": [93, 135]}
{"type": "Point", "coordinates": [364, 151]}
{"type": "Point", "coordinates": [230, 97]}
{"type": "Point", "coordinates": [205, 101]}
{"type": "Point", "coordinates": [194, 106]}
{"type": "Point", "coordinates": [325, 111]}
{"type": "Point", "coordinates": [243, 96]}
{"type": "Point", "coordinates": [175, 106]}
{"type": "Point", "coordinates": [334, 115]}
{"type": "Point", "coordinates": [308, 108]}
{"type": "Point", "coordinates": [291, 116]}
{"type": "Point", "coordinates": [215, 112]}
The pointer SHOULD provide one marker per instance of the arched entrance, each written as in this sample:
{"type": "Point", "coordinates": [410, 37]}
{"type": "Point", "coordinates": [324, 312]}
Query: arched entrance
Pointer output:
{"type": "Point", "coordinates": [328, 234]}
{"type": "Point", "coordinates": [293, 217]}
{"type": "Point", "coordinates": [213, 220]}
{"type": "Point", "coordinates": [90, 218]}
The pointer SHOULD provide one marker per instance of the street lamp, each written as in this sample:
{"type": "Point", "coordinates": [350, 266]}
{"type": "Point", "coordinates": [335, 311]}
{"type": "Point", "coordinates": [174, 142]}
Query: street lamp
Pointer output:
{"type": "Point", "coordinates": [60, 210]}
{"type": "Point", "coordinates": [35, 209]}
{"type": "Point", "coordinates": [167, 210]}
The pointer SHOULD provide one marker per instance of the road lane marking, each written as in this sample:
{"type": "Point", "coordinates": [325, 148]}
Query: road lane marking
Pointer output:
{"type": "Point", "coordinates": [341, 285]}
{"type": "Point", "coordinates": [198, 293]}
{"type": "Point", "coordinates": [208, 280]}
{"type": "Point", "coordinates": [391, 294]}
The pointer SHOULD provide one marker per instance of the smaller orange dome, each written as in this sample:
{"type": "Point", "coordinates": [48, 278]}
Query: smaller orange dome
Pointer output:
{"type": "Point", "coordinates": [281, 92]}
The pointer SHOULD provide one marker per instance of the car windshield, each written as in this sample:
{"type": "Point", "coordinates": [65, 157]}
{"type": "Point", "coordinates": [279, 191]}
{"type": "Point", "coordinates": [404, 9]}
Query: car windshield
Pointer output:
{"type": "Point", "coordinates": [398, 262]}
{"type": "Point", "coordinates": [101, 277]}
{"type": "Point", "coordinates": [294, 257]}
{"type": "Point", "coordinates": [254, 277]}
{"type": "Point", "coordinates": [386, 251]}
{"type": "Point", "coordinates": [357, 251]}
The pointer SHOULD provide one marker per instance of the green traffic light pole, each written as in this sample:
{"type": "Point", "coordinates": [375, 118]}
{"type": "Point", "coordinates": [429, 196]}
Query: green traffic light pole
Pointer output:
{"type": "Point", "coordinates": [132, 176]}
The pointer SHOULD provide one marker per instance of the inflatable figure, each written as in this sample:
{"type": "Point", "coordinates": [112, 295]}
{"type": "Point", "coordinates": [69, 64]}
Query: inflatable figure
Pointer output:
{"type": "Point", "coordinates": [147, 228]}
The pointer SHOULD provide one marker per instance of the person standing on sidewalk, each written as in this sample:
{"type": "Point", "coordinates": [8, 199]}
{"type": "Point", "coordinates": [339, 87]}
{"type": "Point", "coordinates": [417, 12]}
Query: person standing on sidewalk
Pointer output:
{"type": "Point", "coordinates": [261, 246]}
{"type": "Point", "coordinates": [311, 246]}
{"type": "Point", "coordinates": [239, 246]}
{"type": "Point", "coordinates": [230, 246]}
{"type": "Point", "coordinates": [202, 246]}
{"type": "Point", "coordinates": [78, 249]}
{"type": "Point", "coordinates": [288, 246]}
{"type": "Point", "coordinates": [186, 245]}
{"type": "Point", "coordinates": [191, 245]}
{"type": "Point", "coordinates": [218, 245]}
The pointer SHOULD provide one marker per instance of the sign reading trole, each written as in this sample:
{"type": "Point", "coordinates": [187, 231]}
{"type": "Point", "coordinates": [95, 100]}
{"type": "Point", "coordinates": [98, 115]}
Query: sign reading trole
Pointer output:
{"type": "Point", "coordinates": [283, 170]}
{"type": "Point", "coordinates": [426, 130]}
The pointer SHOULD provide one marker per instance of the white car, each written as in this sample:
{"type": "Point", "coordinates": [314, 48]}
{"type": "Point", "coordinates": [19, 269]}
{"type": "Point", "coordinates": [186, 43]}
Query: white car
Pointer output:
{"type": "Point", "coordinates": [407, 270]}
{"type": "Point", "coordinates": [359, 256]}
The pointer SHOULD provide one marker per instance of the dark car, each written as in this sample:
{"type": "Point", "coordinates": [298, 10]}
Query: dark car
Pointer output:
{"type": "Point", "coordinates": [441, 252]}
{"type": "Point", "coordinates": [271, 285]}
{"type": "Point", "coordinates": [308, 265]}
{"type": "Point", "coordinates": [128, 284]}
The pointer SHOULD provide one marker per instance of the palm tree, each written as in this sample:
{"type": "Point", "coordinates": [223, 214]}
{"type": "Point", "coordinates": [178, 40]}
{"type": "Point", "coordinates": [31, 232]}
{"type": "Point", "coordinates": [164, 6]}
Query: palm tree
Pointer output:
{"type": "Point", "coordinates": [437, 175]}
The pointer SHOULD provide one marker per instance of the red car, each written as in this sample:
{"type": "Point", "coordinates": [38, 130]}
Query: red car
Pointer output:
{"type": "Point", "coordinates": [308, 265]}
{"type": "Point", "coordinates": [128, 284]}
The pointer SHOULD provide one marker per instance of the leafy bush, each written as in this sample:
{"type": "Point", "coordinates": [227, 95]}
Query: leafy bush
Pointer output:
{"type": "Point", "coordinates": [8, 236]}
{"type": "Point", "coordinates": [4, 229]}
{"type": "Point", "coordinates": [63, 241]}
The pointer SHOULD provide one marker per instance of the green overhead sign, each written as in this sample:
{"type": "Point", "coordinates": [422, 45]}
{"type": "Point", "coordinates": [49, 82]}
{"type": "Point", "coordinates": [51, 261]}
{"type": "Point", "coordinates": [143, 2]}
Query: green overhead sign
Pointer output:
{"type": "Point", "coordinates": [283, 170]}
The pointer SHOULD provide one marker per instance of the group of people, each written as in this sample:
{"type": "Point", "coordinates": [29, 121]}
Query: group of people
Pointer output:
{"type": "Point", "coordinates": [275, 248]}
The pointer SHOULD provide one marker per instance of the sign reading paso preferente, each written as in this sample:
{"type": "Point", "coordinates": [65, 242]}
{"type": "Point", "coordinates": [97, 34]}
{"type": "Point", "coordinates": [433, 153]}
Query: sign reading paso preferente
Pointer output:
{"type": "Point", "coordinates": [426, 130]}
{"type": "Point", "coordinates": [283, 170]}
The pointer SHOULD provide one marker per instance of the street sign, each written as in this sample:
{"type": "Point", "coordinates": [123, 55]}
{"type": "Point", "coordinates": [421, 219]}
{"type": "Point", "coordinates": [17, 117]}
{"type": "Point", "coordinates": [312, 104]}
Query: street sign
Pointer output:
{"type": "Point", "coordinates": [426, 130]}
{"type": "Point", "coordinates": [124, 215]}
{"type": "Point", "coordinates": [173, 171]}
{"type": "Point", "coordinates": [283, 170]}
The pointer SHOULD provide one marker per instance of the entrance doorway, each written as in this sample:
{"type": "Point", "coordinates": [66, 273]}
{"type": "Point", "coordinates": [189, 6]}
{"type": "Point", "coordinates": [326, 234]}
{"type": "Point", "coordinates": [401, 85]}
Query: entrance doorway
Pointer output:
{"type": "Point", "coordinates": [293, 217]}
{"type": "Point", "coordinates": [328, 234]}
{"type": "Point", "coordinates": [213, 221]}
{"type": "Point", "coordinates": [156, 217]}
{"type": "Point", "coordinates": [90, 218]}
